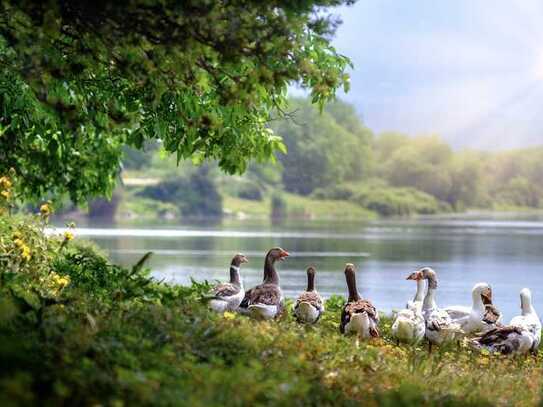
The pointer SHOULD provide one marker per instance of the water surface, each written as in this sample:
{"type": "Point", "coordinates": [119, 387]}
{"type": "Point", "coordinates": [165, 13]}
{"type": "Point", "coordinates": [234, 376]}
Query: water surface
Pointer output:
{"type": "Point", "coordinates": [507, 254]}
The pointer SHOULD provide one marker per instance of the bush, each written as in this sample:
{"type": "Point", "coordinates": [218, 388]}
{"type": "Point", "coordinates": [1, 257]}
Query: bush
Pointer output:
{"type": "Point", "coordinates": [334, 192]}
{"type": "Point", "coordinates": [196, 195]}
{"type": "Point", "coordinates": [250, 190]}
{"type": "Point", "coordinates": [390, 201]}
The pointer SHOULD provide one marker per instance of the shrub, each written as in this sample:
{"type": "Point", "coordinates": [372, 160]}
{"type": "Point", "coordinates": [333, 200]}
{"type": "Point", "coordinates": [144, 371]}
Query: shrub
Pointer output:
{"type": "Point", "coordinates": [196, 195]}
{"type": "Point", "coordinates": [337, 192]}
{"type": "Point", "coordinates": [391, 201]}
{"type": "Point", "coordinates": [250, 190]}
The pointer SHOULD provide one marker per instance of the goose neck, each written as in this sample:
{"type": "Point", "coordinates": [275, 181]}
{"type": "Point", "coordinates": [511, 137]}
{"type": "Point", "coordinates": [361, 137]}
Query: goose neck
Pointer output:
{"type": "Point", "coordinates": [429, 300]}
{"type": "Point", "coordinates": [477, 301]}
{"type": "Point", "coordinates": [270, 274]}
{"type": "Point", "coordinates": [419, 295]}
{"type": "Point", "coordinates": [351, 286]}
{"type": "Point", "coordinates": [234, 275]}
{"type": "Point", "coordinates": [310, 281]}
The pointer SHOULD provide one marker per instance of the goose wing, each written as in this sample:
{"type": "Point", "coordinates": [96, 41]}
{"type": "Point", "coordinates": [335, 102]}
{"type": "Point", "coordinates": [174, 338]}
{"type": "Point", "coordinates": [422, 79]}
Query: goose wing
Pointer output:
{"type": "Point", "coordinates": [359, 307]}
{"type": "Point", "coordinates": [268, 294]}
{"type": "Point", "coordinates": [225, 290]}
{"type": "Point", "coordinates": [505, 339]}
{"type": "Point", "coordinates": [312, 297]}
{"type": "Point", "coordinates": [458, 312]}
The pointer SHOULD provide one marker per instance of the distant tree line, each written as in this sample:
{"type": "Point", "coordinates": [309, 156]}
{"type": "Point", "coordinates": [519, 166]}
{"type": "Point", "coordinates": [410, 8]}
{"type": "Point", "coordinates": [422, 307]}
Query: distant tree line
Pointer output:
{"type": "Point", "coordinates": [332, 155]}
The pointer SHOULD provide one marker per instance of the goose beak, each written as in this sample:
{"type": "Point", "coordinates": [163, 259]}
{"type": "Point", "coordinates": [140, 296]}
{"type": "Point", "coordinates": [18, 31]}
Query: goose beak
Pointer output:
{"type": "Point", "coordinates": [244, 259]}
{"type": "Point", "coordinates": [283, 254]}
{"type": "Point", "coordinates": [415, 275]}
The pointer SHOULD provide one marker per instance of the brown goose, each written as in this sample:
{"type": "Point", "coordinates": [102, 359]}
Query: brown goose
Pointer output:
{"type": "Point", "coordinates": [228, 296]}
{"type": "Point", "coordinates": [309, 306]}
{"type": "Point", "coordinates": [522, 335]}
{"type": "Point", "coordinates": [265, 301]}
{"type": "Point", "coordinates": [358, 315]}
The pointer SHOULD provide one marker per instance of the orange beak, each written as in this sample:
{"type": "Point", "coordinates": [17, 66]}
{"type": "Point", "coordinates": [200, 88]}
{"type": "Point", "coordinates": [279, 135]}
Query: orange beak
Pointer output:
{"type": "Point", "coordinates": [283, 254]}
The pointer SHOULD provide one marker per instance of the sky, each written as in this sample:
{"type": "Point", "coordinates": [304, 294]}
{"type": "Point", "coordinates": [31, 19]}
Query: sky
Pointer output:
{"type": "Point", "coordinates": [468, 70]}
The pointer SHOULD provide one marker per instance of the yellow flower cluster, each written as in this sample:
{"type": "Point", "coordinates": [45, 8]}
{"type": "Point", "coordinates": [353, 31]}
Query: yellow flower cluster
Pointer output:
{"type": "Point", "coordinates": [60, 281]}
{"type": "Point", "coordinates": [5, 183]}
{"type": "Point", "coordinates": [22, 246]}
{"type": "Point", "coordinates": [45, 210]}
{"type": "Point", "coordinates": [53, 284]}
{"type": "Point", "coordinates": [5, 188]}
{"type": "Point", "coordinates": [68, 235]}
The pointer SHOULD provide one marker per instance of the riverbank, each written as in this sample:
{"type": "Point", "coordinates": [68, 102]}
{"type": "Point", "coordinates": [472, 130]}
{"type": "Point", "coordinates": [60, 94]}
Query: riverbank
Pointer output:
{"type": "Point", "coordinates": [76, 329]}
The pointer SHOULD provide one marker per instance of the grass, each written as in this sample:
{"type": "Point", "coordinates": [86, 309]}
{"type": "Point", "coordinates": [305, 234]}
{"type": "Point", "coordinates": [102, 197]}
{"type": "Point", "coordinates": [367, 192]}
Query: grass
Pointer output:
{"type": "Point", "coordinates": [298, 207]}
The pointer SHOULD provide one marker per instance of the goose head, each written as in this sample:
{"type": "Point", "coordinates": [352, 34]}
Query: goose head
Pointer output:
{"type": "Point", "coordinates": [415, 275]}
{"type": "Point", "coordinates": [430, 275]}
{"type": "Point", "coordinates": [482, 291]}
{"type": "Point", "coordinates": [239, 259]}
{"type": "Point", "coordinates": [526, 300]}
{"type": "Point", "coordinates": [277, 254]}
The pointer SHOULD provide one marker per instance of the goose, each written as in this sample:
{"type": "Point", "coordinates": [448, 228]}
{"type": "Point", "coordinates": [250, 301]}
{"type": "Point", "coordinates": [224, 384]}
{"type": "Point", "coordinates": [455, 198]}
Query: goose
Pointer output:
{"type": "Point", "coordinates": [480, 317]}
{"type": "Point", "coordinates": [522, 335]}
{"type": "Point", "coordinates": [309, 305]}
{"type": "Point", "coordinates": [440, 327]}
{"type": "Point", "coordinates": [409, 325]}
{"type": "Point", "coordinates": [228, 296]}
{"type": "Point", "coordinates": [265, 301]}
{"type": "Point", "coordinates": [358, 315]}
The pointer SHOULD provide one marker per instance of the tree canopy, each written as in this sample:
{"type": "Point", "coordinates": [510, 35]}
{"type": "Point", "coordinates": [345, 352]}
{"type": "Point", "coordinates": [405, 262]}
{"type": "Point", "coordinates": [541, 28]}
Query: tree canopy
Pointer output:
{"type": "Point", "coordinates": [79, 80]}
{"type": "Point", "coordinates": [324, 149]}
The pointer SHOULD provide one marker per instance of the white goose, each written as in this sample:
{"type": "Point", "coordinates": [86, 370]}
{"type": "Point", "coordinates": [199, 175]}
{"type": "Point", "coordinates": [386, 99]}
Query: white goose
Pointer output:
{"type": "Point", "coordinates": [440, 328]}
{"type": "Point", "coordinates": [228, 296]}
{"type": "Point", "coordinates": [309, 305]}
{"type": "Point", "coordinates": [522, 335]}
{"type": "Point", "coordinates": [409, 325]}
{"type": "Point", "coordinates": [480, 317]}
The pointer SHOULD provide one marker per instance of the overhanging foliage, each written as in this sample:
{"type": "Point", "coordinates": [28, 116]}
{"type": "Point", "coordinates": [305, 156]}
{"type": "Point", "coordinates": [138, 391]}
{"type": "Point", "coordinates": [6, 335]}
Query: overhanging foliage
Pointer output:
{"type": "Point", "coordinates": [80, 79]}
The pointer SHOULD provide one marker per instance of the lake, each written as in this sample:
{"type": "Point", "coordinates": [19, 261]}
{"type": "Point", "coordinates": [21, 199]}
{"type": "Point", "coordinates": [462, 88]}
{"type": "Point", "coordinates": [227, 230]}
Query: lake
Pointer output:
{"type": "Point", "coordinates": [506, 253]}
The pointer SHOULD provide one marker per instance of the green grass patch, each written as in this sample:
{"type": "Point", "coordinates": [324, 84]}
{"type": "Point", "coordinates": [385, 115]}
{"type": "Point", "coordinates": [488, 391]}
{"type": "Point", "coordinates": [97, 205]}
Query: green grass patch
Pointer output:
{"type": "Point", "coordinates": [298, 207]}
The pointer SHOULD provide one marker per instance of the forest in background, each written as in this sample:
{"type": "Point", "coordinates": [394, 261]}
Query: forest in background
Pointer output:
{"type": "Point", "coordinates": [335, 167]}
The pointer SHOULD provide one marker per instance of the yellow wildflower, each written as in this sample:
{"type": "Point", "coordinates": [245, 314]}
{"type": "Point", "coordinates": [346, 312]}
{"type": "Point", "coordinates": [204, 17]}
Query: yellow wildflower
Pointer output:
{"type": "Point", "coordinates": [6, 194]}
{"type": "Point", "coordinates": [25, 253]}
{"type": "Point", "coordinates": [68, 235]}
{"type": "Point", "coordinates": [229, 315]}
{"type": "Point", "coordinates": [63, 281]}
{"type": "Point", "coordinates": [18, 242]}
{"type": "Point", "coordinates": [45, 209]}
{"type": "Point", "coordinates": [5, 183]}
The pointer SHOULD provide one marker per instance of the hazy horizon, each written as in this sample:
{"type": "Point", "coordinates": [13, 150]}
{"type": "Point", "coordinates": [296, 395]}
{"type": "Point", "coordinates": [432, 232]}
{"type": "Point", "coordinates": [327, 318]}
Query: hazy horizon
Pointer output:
{"type": "Point", "coordinates": [471, 72]}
